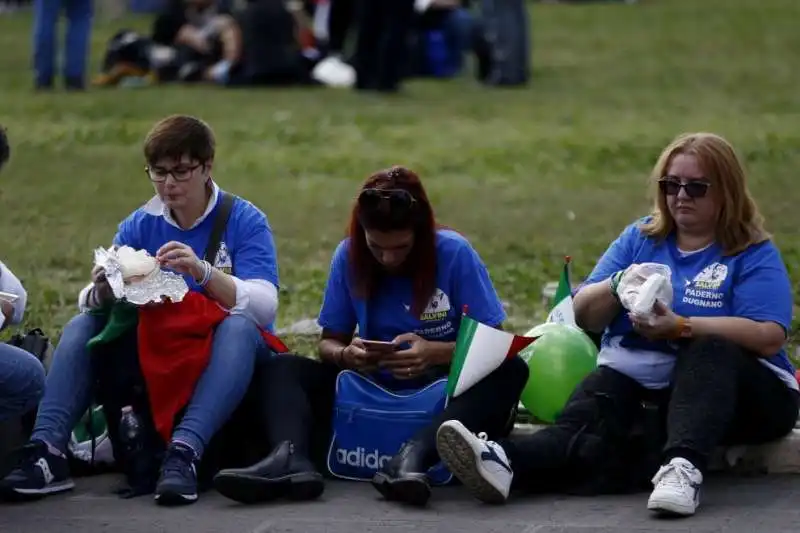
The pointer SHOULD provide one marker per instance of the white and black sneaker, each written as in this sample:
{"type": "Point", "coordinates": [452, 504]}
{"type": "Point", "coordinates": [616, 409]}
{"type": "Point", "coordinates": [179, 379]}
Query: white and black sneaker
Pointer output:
{"type": "Point", "coordinates": [481, 465]}
{"type": "Point", "coordinates": [38, 473]}
{"type": "Point", "coordinates": [677, 489]}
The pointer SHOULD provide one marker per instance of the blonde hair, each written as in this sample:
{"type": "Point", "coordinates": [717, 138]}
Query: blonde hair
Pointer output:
{"type": "Point", "coordinates": [740, 224]}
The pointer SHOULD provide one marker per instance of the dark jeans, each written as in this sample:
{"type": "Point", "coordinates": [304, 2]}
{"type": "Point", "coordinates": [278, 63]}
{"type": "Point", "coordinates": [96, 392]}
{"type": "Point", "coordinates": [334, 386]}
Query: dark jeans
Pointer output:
{"type": "Point", "coordinates": [298, 396]}
{"type": "Point", "coordinates": [381, 46]}
{"type": "Point", "coordinates": [721, 394]}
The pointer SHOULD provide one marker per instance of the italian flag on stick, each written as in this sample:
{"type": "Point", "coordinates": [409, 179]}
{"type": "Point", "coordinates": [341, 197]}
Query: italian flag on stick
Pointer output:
{"type": "Point", "coordinates": [480, 349]}
{"type": "Point", "coordinates": [563, 311]}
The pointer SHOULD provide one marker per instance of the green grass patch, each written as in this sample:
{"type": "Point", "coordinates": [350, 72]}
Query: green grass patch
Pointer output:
{"type": "Point", "coordinates": [529, 175]}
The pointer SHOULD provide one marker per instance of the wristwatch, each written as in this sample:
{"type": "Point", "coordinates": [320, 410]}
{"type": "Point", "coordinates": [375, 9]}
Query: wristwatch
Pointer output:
{"type": "Point", "coordinates": [683, 329]}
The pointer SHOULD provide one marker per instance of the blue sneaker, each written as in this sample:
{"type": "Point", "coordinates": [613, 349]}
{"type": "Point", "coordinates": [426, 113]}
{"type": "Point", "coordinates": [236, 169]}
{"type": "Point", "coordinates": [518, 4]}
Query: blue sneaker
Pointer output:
{"type": "Point", "coordinates": [178, 482]}
{"type": "Point", "coordinates": [38, 473]}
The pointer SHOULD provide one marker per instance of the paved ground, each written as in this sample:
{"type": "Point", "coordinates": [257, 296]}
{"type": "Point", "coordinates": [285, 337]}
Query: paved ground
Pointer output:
{"type": "Point", "coordinates": [764, 504]}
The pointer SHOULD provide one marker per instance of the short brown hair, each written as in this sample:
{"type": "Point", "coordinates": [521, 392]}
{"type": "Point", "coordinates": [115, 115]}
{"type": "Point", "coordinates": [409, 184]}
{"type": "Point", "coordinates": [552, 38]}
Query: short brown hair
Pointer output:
{"type": "Point", "coordinates": [177, 136]}
{"type": "Point", "coordinates": [740, 224]}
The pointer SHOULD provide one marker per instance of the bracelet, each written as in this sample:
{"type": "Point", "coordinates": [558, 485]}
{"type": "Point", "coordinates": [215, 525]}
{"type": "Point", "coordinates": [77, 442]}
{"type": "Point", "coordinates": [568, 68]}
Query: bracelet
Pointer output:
{"type": "Point", "coordinates": [683, 328]}
{"type": "Point", "coordinates": [338, 356]}
{"type": "Point", "coordinates": [615, 279]}
{"type": "Point", "coordinates": [208, 271]}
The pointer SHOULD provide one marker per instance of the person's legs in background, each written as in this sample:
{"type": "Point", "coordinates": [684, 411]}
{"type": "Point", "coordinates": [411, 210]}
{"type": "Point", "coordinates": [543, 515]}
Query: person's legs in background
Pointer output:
{"type": "Point", "coordinates": [296, 397]}
{"type": "Point", "coordinates": [459, 29]}
{"type": "Point", "coordinates": [366, 58]}
{"type": "Point", "coordinates": [236, 346]}
{"type": "Point", "coordinates": [340, 20]}
{"type": "Point", "coordinates": [45, 22]}
{"type": "Point", "coordinates": [21, 381]}
{"type": "Point", "coordinates": [43, 469]}
{"type": "Point", "coordinates": [485, 407]}
{"type": "Point", "coordinates": [79, 29]}
{"type": "Point", "coordinates": [393, 52]}
{"type": "Point", "coordinates": [381, 46]}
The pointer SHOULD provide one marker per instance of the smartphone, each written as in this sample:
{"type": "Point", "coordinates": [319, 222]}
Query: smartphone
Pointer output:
{"type": "Point", "coordinates": [8, 297]}
{"type": "Point", "coordinates": [379, 346]}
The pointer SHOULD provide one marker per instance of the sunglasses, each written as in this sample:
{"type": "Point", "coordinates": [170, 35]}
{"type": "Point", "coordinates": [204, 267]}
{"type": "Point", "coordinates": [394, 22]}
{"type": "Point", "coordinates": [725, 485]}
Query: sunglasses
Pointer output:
{"type": "Point", "coordinates": [395, 200]}
{"type": "Point", "coordinates": [694, 188]}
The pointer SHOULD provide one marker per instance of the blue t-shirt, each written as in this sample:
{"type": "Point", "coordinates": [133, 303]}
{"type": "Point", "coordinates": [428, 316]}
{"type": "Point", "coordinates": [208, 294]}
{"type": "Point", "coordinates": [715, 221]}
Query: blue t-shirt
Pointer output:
{"type": "Point", "coordinates": [753, 284]}
{"type": "Point", "coordinates": [247, 248]}
{"type": "Point", "coordinates": [461, 279]}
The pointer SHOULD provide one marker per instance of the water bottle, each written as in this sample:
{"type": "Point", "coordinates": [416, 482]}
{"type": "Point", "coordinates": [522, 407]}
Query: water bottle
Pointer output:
{"type": "Point", "coordinates": [131, 437]}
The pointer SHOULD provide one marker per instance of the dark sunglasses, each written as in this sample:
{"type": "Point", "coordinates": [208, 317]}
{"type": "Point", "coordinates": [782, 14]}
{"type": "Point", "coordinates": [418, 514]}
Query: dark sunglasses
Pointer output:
{"type": "Point", "coordinates": [694, 188]}
{"type": "Point", "coordinates": [395, 200]}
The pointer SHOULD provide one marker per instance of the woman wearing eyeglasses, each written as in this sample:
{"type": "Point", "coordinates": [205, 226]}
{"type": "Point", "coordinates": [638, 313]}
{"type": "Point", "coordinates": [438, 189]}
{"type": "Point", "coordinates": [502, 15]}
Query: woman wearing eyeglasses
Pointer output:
{"type": "Point", "coordinates": [175, 227]}
{"type": "Point", "coordinates": [400, 278]}
{"type": "Point", "coordinates": [715, 361]}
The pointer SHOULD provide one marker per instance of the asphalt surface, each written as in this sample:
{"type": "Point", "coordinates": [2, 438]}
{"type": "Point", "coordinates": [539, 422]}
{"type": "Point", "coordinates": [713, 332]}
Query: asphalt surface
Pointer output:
{"type": "Point", "coordinates": [729, 505]}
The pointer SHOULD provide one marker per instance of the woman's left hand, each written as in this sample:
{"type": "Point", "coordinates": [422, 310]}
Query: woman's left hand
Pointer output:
{"type": "Point", "coordinates": [411, 362]}
{"type": "Point", "coordinates": [180, 258]}
{"type": "Point", "coordinates": [663, 325]}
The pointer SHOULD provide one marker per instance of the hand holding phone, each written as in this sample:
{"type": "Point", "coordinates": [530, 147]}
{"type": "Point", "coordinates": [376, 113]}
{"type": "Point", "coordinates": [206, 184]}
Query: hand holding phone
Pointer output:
{"type": "Point", "coordinates": [379, 347]}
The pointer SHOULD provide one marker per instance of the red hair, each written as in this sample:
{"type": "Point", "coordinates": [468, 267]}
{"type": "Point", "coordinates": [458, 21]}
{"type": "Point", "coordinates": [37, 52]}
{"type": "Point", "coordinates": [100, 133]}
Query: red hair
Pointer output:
{"type": "Point", "coordinates": [421, 261]}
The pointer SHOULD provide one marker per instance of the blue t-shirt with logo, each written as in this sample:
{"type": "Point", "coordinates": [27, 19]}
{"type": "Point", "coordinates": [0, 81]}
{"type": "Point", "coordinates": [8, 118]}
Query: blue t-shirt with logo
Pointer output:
{"type": "Point", "coordinates": [461, 279]}
{"type": "Point", "coordinates": [247, 248]}
{"type": "Point", "coordinates": [752, 284]}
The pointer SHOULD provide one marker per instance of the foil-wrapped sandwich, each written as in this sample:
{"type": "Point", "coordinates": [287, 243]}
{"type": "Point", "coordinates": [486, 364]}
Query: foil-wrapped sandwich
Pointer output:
{"type": "Point", "coordinates": [135, 276]}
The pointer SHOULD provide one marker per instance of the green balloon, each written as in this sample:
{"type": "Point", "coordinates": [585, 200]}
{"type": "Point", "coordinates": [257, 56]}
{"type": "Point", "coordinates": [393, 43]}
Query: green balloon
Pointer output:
{"type": "Point", "coordinates": [558, 360]}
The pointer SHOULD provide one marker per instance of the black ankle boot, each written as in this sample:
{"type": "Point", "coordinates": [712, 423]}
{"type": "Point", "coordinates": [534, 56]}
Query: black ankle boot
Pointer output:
{"type": "Point", "coordinates": [404, 478]}
{"type": "Point", "coordinates": [282, 474]}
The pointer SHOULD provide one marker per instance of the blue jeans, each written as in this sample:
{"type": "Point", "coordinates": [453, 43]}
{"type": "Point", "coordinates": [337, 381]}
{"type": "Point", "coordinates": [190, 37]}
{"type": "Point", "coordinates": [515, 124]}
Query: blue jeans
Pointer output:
{"type": "Point", "coordinates": [237, 343]}
{"type": "Point", "coordinates": [21, 381]}
{"type": "Point", "coordinates": [459, 26]}
{"type": "Point", "coordinates": [46, 14]}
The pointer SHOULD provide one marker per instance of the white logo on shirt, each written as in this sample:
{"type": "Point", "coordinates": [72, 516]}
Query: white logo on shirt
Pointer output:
{"type": "Point", "coordinates": [711, 277]}
{"type": "Point", "coordinates": [704, 291]}
{"type": "Point", "coordinates": [223, 259]}
{"type": "Point", "coordinates": [438, 307]}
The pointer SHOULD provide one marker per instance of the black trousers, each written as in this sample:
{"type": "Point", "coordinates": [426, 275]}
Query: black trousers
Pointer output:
{"type": "Point", "coordinates": [341, 19]}
{"type": "Point", "coordinates": [721, 394]}
{"type": "Point", "coordinates": [297, 396]}
{"type": "Point", "coordinates": [382, 43]}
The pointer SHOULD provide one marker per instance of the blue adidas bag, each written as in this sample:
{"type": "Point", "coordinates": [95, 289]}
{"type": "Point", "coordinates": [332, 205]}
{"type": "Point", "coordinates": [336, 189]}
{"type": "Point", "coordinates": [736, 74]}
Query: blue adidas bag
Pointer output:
{"type": "Point", "coordinates": [371, 423]}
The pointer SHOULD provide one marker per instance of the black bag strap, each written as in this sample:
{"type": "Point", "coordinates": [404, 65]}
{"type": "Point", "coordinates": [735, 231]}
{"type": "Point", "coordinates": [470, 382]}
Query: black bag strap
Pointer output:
{"type": "Point", "coordinates": [220, 221]}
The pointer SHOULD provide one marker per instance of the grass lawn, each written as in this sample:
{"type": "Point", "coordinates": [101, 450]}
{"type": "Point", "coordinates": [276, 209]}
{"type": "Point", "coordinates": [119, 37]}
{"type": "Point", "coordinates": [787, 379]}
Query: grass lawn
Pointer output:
{"type": "Point", "coordinates": [528, 175]}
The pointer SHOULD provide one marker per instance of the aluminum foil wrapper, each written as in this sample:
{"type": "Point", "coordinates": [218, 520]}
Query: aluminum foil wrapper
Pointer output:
{"type": "Point", "coordinates": [159, 286]}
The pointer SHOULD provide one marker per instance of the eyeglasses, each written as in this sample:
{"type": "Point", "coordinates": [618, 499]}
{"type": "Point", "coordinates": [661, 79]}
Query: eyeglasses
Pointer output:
{"type": "Point", "coordinates": [179, 173]}
{"type": "Point", "coordinates": [671, 186]}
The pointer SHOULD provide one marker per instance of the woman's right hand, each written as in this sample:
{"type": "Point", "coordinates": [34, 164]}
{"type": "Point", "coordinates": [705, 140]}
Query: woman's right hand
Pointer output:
{"type": "Point", "coordinates": [357, 357]}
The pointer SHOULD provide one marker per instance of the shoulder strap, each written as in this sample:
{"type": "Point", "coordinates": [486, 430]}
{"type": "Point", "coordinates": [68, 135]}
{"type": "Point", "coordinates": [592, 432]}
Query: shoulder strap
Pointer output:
{"type": "Point", "coordinates": [220, 221]}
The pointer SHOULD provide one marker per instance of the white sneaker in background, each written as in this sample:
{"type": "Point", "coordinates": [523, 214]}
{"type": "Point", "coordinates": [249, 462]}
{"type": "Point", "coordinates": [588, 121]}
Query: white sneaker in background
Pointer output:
{"type": "Point", "coordinates": [677, 489]}
{"type": "Point", "coordinates": [334, 72]}
{"type": "Point", "coordinates": [481, 465]}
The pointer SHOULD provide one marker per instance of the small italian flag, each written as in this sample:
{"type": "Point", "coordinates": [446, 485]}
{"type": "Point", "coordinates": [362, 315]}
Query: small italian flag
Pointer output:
{"type": "Point", "coordinates": [480, 349]}
{"type": "Point", "coordinates": [563, 311]}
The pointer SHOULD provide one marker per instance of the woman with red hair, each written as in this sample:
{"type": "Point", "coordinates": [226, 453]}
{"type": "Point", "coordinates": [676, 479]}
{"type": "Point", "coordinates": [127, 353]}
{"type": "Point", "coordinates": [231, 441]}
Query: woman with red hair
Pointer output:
{"type": "Point", "coordinates": [399, 278]}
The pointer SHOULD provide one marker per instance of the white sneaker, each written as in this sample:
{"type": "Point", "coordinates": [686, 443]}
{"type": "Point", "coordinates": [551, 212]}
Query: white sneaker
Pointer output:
{"type": "Point", "coordinates": [481, 465]}
{"type": "Point", "coordinates": [677, 489]}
